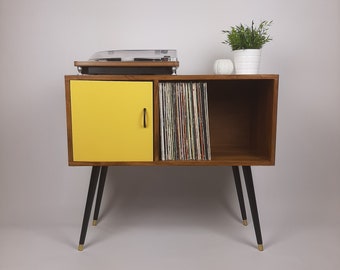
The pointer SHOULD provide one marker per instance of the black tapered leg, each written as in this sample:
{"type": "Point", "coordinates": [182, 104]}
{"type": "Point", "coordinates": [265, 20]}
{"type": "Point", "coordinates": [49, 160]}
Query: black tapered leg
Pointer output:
{"type": "Point", "coordinates": [238, 185]}
{"type": "Point", "coordinates": [88, 206]}
{"type": "Point", "coordinates": [101, 185]}
{"type": "Point", "coordinates": [253, 206]}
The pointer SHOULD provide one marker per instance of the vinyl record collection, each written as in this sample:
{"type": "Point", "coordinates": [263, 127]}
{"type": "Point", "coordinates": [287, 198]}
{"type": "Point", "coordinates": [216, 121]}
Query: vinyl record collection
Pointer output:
{"type": "Point", "coordinates": [184, 121]}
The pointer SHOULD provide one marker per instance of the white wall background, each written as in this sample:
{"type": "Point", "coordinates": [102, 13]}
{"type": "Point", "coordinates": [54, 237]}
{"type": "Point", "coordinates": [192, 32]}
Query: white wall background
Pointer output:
{"type": "Point", "coordinates": [40, 39]}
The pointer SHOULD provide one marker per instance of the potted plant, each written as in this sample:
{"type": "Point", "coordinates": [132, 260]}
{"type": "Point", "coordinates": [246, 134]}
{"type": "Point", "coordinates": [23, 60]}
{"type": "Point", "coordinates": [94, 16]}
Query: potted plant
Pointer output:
{"type": "Point", "coordinates": [246, 43]}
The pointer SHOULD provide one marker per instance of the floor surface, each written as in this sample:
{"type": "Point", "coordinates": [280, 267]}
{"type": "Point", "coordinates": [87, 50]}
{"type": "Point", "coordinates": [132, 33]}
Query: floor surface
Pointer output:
{"type": "Point", "coordinates": [197, 232]}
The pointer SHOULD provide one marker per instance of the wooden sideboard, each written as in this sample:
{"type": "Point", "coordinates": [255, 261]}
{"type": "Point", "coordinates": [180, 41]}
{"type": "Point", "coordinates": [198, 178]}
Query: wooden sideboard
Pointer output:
{"type": "Point", "coordinates": [116, 120]}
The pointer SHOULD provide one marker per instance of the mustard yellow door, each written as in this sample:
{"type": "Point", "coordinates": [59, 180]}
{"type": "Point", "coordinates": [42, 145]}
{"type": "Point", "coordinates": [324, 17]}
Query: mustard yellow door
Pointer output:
{"type": "Point", "coordinates": [111, 120]}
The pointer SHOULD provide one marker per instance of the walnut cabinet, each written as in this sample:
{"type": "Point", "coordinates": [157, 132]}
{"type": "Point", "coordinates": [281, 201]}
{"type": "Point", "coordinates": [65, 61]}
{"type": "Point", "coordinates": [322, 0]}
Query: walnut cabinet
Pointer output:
{"type": "Point", "coordinates": [115, 120]}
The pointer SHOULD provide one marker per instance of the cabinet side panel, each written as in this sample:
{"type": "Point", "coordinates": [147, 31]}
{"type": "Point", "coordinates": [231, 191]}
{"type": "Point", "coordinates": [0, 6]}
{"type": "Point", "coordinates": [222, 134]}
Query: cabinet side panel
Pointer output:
{"type": "Point", "coordinates": [264, 124]}
{"type": "Point", "coordinates": [68, 119]}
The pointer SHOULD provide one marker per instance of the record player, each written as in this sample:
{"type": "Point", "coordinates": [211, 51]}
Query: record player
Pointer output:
{"type": "Point", "coordinates": [130, 62]}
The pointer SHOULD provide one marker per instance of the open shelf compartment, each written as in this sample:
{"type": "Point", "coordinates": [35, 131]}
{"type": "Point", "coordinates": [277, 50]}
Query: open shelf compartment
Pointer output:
{"type": "Point", "coordinates": [242, 119]}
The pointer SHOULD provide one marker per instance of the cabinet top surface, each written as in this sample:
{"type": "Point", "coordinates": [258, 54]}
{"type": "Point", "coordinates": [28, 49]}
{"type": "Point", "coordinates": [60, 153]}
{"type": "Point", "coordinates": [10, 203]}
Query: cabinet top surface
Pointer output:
{"type": "Point", "coordinates": [174, 77]}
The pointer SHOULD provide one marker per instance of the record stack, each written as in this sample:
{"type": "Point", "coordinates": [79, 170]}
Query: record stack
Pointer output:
{"type": "Point", "coordinates": [184, 121]}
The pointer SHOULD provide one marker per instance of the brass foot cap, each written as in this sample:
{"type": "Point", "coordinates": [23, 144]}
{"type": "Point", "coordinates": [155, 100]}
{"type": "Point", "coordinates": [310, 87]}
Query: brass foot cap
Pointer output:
{"type": "Point", "coordinates": [245, 222]}
{"type": "Point", "coordinates": [81, 247]}
{"type": "Point", "coordinates": [94, 222]}
{"type": "Point", "coordinates": [260, 247]}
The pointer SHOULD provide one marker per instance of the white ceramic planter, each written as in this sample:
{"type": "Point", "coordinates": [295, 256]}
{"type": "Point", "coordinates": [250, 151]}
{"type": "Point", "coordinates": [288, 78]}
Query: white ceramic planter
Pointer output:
{"type": "Point", "coordinates": [247, 61]}
{"type": "Point", "coordinates": [223, 66]}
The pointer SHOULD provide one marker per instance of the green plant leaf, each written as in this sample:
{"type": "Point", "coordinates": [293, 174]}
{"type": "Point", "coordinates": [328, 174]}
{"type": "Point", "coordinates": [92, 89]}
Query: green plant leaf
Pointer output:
{"type": "Point", "coordinates": [241, 37]}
